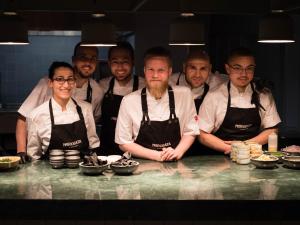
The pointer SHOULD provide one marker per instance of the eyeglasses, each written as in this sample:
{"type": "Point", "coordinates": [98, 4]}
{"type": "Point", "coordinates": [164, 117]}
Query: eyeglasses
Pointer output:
{"type": "Point", "coordinates": [61, 80]}
{"type": "Point", "coordinates": [86, 58]}
{"type": "Point", "coordinates": [239, 69]}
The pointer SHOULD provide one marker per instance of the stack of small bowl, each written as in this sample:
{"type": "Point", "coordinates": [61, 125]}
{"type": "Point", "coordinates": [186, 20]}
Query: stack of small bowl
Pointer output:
{"type": "Point", "coordinates": [72, 158]}
{"type": "Point", "coordinates": [56, 158]}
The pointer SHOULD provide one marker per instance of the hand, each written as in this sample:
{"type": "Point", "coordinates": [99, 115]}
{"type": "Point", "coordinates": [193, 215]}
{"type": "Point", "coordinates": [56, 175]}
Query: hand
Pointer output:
{"type": "Point", "coordinates": [23, 157]}
{"type": "Point", "coordinates": [170, 154]}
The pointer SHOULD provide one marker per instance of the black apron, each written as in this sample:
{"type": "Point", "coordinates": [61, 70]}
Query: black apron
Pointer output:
{"type": "Point", "coordinates": [197, 148]}
{"type": "Point", "coordinates": [110, 110]}
{"type": "Point", "coordinates": [197, 101]}
{"type": "Point", "coordinates": [68, 136]}
{"type": "Point", "coordinates": [159, 134]}
{"type": "Point", "coordinates": [239, 123]}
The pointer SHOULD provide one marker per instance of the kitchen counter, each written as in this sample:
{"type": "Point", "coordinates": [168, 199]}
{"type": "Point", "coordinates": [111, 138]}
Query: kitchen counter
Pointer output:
{"type": "Point", "coordinates": [192, 185]}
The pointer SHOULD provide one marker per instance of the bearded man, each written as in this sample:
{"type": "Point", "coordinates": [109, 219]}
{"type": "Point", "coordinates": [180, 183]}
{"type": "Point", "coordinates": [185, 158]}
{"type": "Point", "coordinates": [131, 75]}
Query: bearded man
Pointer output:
{"type": "Point", "coordinates": [157, 122]}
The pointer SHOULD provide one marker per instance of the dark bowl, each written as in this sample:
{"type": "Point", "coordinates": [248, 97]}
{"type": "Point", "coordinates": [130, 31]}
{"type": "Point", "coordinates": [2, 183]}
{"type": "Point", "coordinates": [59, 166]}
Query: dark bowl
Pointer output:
{"type": "Point", "coordinates": [291, 161]}
{"type": "Point", "coordinates": [262, 164]}
{"type": "Point", "coordinates": [92, 170]}
{"type": "Point", "coordinates": [124, 169]}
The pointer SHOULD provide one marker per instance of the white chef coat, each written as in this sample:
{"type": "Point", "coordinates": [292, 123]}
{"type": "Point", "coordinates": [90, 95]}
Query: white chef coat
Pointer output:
{"type": "Point", "coordinates": [130, 113]}
{"type": "Point", "coordinates": [39, 125]}
{"type": "Point", "coordinates": [213, 109]}
{"type": "Point", "coordinates": [118, 89]}
{"type": "Point", "coordinates": [42, 92]}
{"type": "Point", "coordinates": [214, 80]}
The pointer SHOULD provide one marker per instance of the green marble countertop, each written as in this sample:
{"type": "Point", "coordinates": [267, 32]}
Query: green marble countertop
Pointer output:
{"type": "Point", "coordinates": [192, 178]}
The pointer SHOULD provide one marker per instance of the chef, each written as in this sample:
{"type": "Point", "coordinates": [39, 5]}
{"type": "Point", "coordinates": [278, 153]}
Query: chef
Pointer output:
{"type": "Point", "coordinates": [198, 77]}
{"type": "Point", "coordinates": [61, 122]}
{"type": "Point", "coordinates": [84, 62]}
{"type": "Point", "coordinates": [238, 109]}
{"type": "Point", "coordinates": [123, 82]}
{"type": "Point", "coordinates": [157, 122]}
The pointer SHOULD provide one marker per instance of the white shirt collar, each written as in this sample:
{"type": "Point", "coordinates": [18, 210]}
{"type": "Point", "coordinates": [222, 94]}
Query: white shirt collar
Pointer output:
{"type": "Point", "coordinates": [70, 105]}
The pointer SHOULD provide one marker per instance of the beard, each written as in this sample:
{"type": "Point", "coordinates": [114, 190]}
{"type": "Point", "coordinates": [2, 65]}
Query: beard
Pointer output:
{"type": "Point", "coordinates": [83, 75]}
{"type": "Point", "coordinates": [156, 88]}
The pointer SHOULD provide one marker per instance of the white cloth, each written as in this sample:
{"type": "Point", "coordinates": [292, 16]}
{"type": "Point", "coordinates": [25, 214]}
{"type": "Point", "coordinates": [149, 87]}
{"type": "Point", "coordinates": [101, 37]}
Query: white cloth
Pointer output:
{"type": "Point", "coordinates": [213, 108]}
{"type": "Point", "coordinates": [214, 80]}
{"type": "Point", "coordinates": [130, 113]}
{"type": "Point", "coordinates": [42, 92]}
{"type": "Point", "coordinates": [118, 89]}
{"type": "Point", "coordinates": [39, 125]}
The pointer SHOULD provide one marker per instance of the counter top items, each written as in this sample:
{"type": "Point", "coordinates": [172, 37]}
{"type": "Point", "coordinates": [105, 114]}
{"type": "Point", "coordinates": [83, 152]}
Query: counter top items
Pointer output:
{"type": "Point", "coordinates": [59, 158]}
{"type": "Point", "coordinates": [92, 165]}
{"type": "Point", "coordinates": [9, 162]}
{"type": "Point", "coordinates": [291, 161]}
{"type": "Point", "coordinates": [124, 166]}
{"type": "Point", "coordinates": [292, 150]}
{"type": "Point", "coordinates": [110, 158]}
{"type": "Point", "coordinates": [241, 152]}
{"type": "Point", "coordinates": [265, 161]}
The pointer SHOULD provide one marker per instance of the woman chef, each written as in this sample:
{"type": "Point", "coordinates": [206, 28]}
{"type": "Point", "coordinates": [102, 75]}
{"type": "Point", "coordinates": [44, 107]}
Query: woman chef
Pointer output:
{"type": "Point", "coordinates": [238, 109]}
{"type": "Point", "coordinates": [61, 122]}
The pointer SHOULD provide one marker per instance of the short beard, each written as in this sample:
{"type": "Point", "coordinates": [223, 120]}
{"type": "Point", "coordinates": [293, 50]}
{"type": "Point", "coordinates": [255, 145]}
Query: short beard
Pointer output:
{"type": "Point", "coordinates": [157, 91]}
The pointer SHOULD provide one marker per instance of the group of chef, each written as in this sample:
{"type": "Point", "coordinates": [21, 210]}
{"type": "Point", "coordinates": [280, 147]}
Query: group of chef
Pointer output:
{"type": "Point", "coordinates": [160, 117]}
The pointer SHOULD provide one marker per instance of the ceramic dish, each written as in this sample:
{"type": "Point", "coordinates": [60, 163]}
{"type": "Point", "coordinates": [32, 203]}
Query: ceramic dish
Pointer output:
{"type": "Point", "coordinates": [291, 161]}
{"type": "Point", "coordinates": [110, 159]}
{"type": "Point", "coordinates": [92, 170]}
{"type": "Point", "coordinates": [265, 164]}
{"type": "Point", "coordinates": [9, 162]}
{"type": "Point", "coordinates": [118, 168]}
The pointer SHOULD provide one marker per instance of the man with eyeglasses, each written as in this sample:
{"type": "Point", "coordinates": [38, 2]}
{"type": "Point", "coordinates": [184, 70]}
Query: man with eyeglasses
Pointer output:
{"type": "Point", "coordinates": [122, 82]}
{"type": "Point", "coordinates": [239, 109]}
{"type": "Point", "coordinates": [84, 62]}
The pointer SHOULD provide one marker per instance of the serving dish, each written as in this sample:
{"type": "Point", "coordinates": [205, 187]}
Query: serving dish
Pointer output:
{"type": "Point", "coordinates": [124, 166]}
{"type": "Point", "coordinates": [9, 162]}
{"type": "Point", "coordinates": [291, 161]}
{"type": "Point", "coordinates": [269, 162]}
{"type": "Point", "coordinates": [91, 169]}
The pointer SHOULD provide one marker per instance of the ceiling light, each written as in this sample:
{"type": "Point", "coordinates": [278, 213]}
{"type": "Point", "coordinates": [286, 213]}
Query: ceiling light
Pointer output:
{"type": "Point", "coordinates": [98, 32]}
{"type": "Point", "coordinates": [13, 30]}
{"type": "Point", "coordinates": [276, 28]}
{"type": "Point", "coordinates": [186, 30]}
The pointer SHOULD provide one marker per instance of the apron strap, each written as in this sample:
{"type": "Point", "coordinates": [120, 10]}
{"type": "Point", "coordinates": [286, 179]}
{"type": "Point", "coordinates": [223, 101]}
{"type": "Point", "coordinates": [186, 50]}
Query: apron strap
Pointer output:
{"type": "Point", "coordinates": [144, 106]}
{"type": "Point", "coordinates": [229, 97]}
{"type": "Point", "coordinates": [89, 92]}
{"type": "Point", "coordinates": [255, 98]}
{"type": "Point", "coordinates": [135, 83]}
{"type": "Point", "coordinates": [110, 87]}
{"type": "Point", "coordinates": [171, 103]}
{"type": "Point", "coordinates": [177, 82]}
{"type": "Point", "coordinates": [79, 111]}
{"type": "Point", "coordinates": [51, 112]}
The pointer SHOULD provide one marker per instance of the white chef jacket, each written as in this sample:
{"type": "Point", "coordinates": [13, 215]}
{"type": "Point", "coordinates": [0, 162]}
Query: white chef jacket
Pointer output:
{"type": "Point", "coordinates": [213, 109]}
{"type": "Point", "coordinates": [118, 89]}
{"type": "Point", "coordinates": [39, 125]}
{"type": "Point", "coordinates": [214, 80]}
{"type": "Point", "coordinates": [130, 113]}
{"type": "Point", "coordinates": [42, 92]}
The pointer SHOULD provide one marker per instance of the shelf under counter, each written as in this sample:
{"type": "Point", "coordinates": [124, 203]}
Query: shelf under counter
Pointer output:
{"type": "Point", "coordinates": [194, 188]}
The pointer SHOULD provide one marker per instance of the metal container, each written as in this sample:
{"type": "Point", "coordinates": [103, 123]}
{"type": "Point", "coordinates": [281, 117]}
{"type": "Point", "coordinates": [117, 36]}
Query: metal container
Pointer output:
{"type": "Point", "coordinates": [291, 161]}
{"type": "Point", "coordinates": [92, 170]}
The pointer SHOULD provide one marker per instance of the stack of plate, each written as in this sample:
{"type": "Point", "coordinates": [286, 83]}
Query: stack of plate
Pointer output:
{"type": "Point", "coordinates": [72, 158]}
{"type": "Point", "coordinates": [56, 158]}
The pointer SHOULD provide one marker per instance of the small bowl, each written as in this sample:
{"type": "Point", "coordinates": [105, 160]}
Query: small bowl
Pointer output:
{"type": "Point", "coordinates": [291, 161]}
{"type": "Point", "coordinates": [262, 164]}
{"type": "Point", "coordinates": [92, 170]}
{"type": "Point", "coordinates": [122, 169]}
{"type": "Point", "coordinates": [9, 162]}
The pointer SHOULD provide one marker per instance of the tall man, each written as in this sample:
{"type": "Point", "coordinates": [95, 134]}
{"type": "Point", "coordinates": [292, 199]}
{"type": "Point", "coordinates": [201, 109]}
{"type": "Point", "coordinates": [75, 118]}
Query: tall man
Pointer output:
{"type": "Point", "coordinates": [157, 122]}
{"type": "Point", "coordinates": [238, 109]}
{"type": "Point", "coordinates": [123, 82]}
{"type": "Point", "coordinates": [84, 61]}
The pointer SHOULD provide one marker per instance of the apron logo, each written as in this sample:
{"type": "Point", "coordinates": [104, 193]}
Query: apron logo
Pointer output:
{"type": "Point", "coordinates": [73, 143]}
{"type": "Point", "coordinates": [242, 126]}
{"type": "Point", "coordinates": [164, 145]}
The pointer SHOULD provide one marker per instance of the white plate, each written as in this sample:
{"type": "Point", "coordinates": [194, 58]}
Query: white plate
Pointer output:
{"type": "Point", "coordinates": [110, 159]}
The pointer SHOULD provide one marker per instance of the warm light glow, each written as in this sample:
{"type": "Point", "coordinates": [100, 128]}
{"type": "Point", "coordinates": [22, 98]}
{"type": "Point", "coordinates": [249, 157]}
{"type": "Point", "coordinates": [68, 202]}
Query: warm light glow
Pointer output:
{"type": "Point", "coordinates": [187, 44]}
{"type": "Point", "coordinates": [276, 41]}
{"type": "Point", "coordinates": [98, 45]}
{"type": "Point", "coordinates": [14, 43]}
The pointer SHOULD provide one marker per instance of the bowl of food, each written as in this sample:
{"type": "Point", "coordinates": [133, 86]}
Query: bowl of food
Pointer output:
{"type": "Point", "coordinates": [278, 154]}
{"type": "Point", "coordinates": [292, 150]}
{"type": "Point", "coordinates": [265, 161]}
{"type": "Point", "coordinates": [124, 166]}
{"type": "Point", "coordinates": [291, 161]}
{"type": "Point", "coordinates": [9, 162]}
{"type": "Point", "coordinates": [92, 169]}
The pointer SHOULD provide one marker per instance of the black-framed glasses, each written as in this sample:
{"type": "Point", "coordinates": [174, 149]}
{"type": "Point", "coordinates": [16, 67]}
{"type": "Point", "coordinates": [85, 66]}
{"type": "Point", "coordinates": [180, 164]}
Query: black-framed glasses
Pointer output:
{"type": "Point", "coordinates": [239, 69]}
{"type": "Point", "coordinates": [61, 80]}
